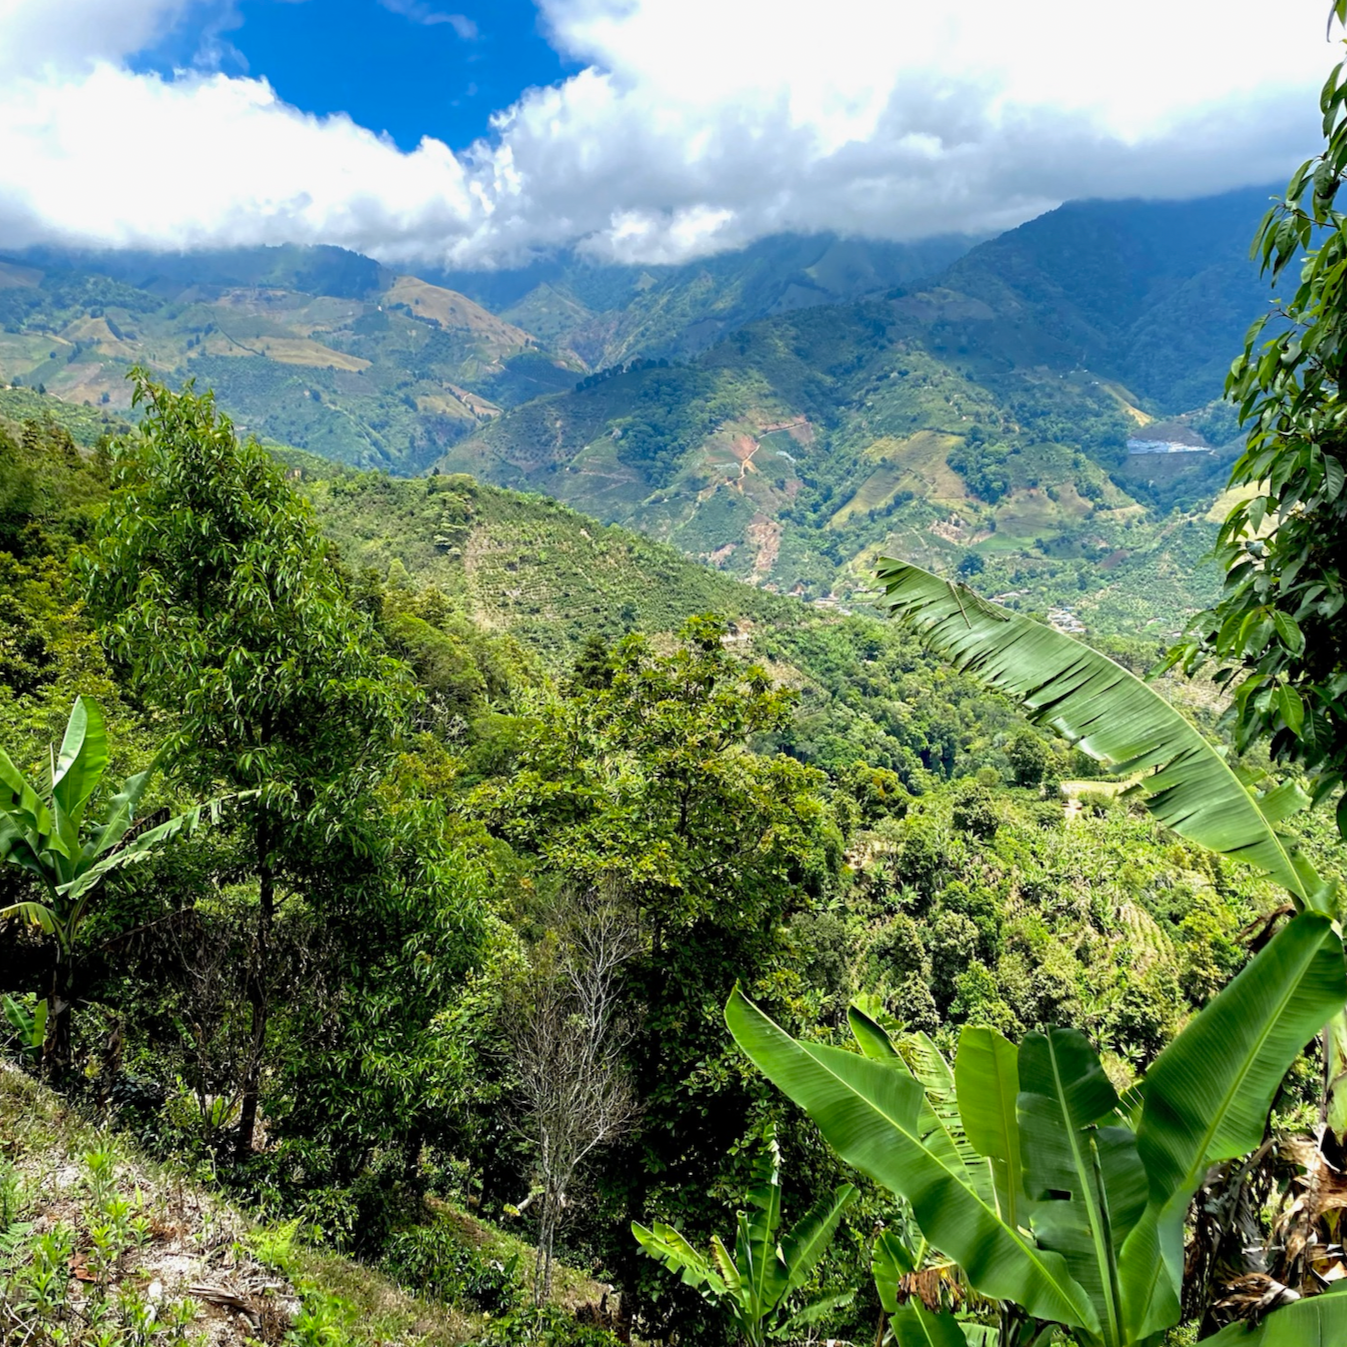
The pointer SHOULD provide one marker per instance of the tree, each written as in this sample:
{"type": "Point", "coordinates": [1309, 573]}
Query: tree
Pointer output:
{"type": "Point", "coordinates": [223, 604]}
{"type": "Point", "coordinates": [757, 1282]}
{"type": "Point", "coordinates": [567, 1041]}
{"type": "Point", "coordinates": [646, 783]}
{"type": "Point", "coordinates": [1277, 632]}
{"type": "Point", "coordinates": [70, 855]}
{"type": "Point", "coordinates": [1058, 1199]}
{"type": "Point", "coordinates": [1029, 757]}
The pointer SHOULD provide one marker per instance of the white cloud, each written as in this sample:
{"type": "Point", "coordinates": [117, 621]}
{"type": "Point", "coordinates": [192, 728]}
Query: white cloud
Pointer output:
{"type": "Point", "coordinates": [418, 11]}
{"type": "Point", "coordinates": [697, 125]}
{"type": "Point", "coordinates": [65, 36]}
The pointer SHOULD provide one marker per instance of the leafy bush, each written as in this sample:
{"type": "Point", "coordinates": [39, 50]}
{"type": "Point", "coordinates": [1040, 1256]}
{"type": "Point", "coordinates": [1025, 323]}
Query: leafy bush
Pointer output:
{"type": "Point", "coordinates": [434, 1261]}
{"type": "Point", "coordinates": [546, 1326]}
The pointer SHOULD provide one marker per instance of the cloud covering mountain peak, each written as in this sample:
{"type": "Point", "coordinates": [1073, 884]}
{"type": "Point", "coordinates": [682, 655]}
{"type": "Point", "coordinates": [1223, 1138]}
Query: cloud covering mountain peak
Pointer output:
{"type": "Point", "coordinates": [692, 126]}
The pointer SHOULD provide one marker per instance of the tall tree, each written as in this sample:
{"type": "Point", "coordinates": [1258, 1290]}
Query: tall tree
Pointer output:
{"type": "Point", "coordinates": [222, 602]}
{"type": "Point", "coordinates": [643, 779]}
{"type": "Point", "coordinates": [1278, 631]}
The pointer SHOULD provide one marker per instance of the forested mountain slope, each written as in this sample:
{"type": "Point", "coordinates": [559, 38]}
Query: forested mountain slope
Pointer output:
{"type": "Point", "coordinates": [773, 796]}
{"type": "Point", "coordinates": [311, 346]}
{"type": "Point", "coordinates": [610, 314]}
{"type": "Point", "coordinates": [749, 409]}
{"type": "Point", "coordinates": [328, 350]}
{"type": "Point", "coordinates": [981, 420]}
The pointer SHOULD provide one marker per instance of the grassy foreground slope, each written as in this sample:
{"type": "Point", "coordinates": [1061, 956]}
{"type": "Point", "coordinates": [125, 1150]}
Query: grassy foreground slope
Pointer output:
{"type": "Point", "coordinates": [87, 1220]}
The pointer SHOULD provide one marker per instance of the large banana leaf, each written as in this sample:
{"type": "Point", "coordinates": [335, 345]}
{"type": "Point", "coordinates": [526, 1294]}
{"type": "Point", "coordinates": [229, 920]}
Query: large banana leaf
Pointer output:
{"type": "Point", "coordinates": [890, 1261]}
{"type": "Point", "coordinates": [121, 812]}
{"type": "Point", "coordinates": [1208, 1094]}
{"type": "Point", "coordinates": [763, 1273]}
{"type": "Point", "coordinates": [1319, 1321]}
{"type": "Point", "coordinates": [1087, 1181]}
{"type": "Point", "coordinates": [142, 847]}
{"type": "Point", "coordinates": [1111, 715]}
{"type": "Point", "coordinates": [666, 1244]}
{"type": "Point", "coordinates": [915, 1326]}
{"type": "Point", "coordinates": [871, 1115]}
{"type": "Point", "coordinates": [22, 805]}
{"type": "Point", "coordinates": [79, 766]}
{"type": "Point", "coordinates": [987, 1083]}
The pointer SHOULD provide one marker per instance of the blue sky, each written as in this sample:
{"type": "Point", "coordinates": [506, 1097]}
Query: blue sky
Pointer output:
{"type": "Point", "coordinates": [481, 133]}
{"type": "Point", "coordinates": [410, 69]}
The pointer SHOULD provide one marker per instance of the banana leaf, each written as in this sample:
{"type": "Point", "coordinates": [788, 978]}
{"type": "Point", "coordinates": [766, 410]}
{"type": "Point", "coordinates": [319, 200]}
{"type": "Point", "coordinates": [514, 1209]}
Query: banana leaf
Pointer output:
{"type": "Point", "coordinates": [1087, 1181]}
{"type": "Point", "coordinates": [871, 1115]}
{"type": "Point", "coordinates": [915, 1326]}
{"type": "Point", "coordinates": [1110, 714]}
{"type": "Point", "coordinates": [890, 1261]}
{"type": "Point", "coordinates": [987, 1082]}
{"type": "Point", "coordinates": [809, 1238]}
{"type": "Point", "coordinates": [666, 1244]}
{"type": "Point", "coordinates": [1208, 1094]}
{"type": "Point", "coordinates": [1318, 1321]}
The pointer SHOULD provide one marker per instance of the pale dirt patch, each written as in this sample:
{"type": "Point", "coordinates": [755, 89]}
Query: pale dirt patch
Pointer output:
{"type": "Point", "coordinates": [291, 351]}
{"type": "Point", "coordinates": [765, 535]}
{"type": "Point", "coordinates": [456, 313]}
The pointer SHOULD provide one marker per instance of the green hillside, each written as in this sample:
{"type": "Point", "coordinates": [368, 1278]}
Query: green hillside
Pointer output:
{"type": "Point", "coordinates": [487, 731]}
{"type": "Point", "coordinates": [786, 413]}
{"type": "Point", "coordinates": [314, 347]}
{"type": "Point", "coordinates": [806, 445]}
{"type": "Point", "coordinates": [611, 314]}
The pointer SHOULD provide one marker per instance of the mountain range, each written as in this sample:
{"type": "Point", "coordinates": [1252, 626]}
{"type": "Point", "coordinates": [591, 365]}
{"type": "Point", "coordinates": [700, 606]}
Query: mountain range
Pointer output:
{"type": "Point", "coordinates": [786, 413]}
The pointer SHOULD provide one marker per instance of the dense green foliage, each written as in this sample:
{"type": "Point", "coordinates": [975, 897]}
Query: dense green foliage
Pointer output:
{"type": "Point", "coordinates": [475, 719]}
{"type": "Point", "coordinates": [1055, 1196]}
{"type": "Point", "coordinates": [1277, 630]}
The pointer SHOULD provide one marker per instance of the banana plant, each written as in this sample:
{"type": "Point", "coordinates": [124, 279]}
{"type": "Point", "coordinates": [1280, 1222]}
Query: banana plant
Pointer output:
{"type": "Point", "coordinates": [50, 835]}
{"type": "Point", "coordinates": [1106, 711]}
{"type": "Point", "coordinates": [757, 1282]}
{"type": "Point", "coordinates": [29, 1028]}
{"type": "Point", "coordinates": [1052, 1193]}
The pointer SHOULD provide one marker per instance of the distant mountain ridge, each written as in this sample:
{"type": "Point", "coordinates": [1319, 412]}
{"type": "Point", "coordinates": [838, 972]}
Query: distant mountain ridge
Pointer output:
{"type": "Point", "coordinates": [339, 354]}
{"type": "Point", "coordinates": [610, 314]}
{"type": "Point", "coordinates": [785, 412]}
{"type": "Point", "coordinates": [978, 420]}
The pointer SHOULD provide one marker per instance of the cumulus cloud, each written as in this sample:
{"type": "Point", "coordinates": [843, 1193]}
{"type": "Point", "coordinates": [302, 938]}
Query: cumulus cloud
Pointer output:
{"type": "Point", "coordinates": [695, 125]}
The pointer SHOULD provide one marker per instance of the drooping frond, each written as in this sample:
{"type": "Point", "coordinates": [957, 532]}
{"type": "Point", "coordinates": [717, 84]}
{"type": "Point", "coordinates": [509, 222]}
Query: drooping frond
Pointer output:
{"type": "Point", "coordinates": [1110, 714]}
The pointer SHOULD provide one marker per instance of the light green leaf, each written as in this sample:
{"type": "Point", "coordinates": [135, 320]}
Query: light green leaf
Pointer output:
{"type": "Point", "coordinates": [871, 1116]}
{"type": "Point", "coordinates": [809, 1238]}
{"type": "Point", "coordinates": [670, 1248]}
{"type": "Point", "coordinates": [987, 1080]}
{"type": "Point", "coordinates": [1087, 1182]}
{"type": "Point", "coordinates": [915, 1326]}
{"type": "Point", "coordinates": [1207, 1096]}
{"type": "Point", "coordinates": [812, 1313]}
{"type": "Point", "coordinates": [35, 914]}
{"type": "Point", "coordinates": [890, 1261]}
{"type": "Point", "coordinates": [82, 760]}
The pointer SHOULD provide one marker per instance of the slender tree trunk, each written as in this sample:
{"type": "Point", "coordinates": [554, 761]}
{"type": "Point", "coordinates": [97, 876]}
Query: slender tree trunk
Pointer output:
{"type": "Point", "coordinates": [542, 1285]}
{"type": "Point", "coordinates": [56, 1051]}
{"type": "Point", "coordinates": [258, 987]}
